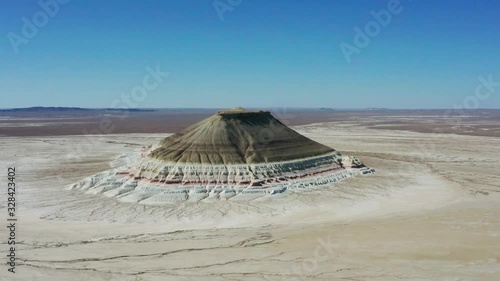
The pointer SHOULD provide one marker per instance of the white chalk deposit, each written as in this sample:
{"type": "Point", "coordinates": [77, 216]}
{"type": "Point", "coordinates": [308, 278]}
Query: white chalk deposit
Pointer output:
{"type": "Point", "coordinates": [153, 182]}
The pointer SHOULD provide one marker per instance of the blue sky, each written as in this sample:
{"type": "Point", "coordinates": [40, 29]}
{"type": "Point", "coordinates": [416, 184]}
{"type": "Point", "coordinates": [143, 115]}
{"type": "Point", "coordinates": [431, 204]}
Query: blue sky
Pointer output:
{"type": "Point", "coordinates": [262, 54]}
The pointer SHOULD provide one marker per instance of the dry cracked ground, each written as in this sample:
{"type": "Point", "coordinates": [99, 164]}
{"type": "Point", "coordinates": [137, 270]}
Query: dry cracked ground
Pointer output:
{"type": "Point", "coordinates": [431, 212]}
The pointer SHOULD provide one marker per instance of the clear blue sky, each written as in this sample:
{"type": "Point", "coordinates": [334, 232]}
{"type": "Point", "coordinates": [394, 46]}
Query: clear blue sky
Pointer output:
{"type": "Point", "coordinates": [263, 54]}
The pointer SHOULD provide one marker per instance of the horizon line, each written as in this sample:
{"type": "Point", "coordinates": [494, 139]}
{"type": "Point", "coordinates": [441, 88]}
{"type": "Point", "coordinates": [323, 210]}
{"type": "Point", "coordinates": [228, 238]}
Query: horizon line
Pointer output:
{"type": "Point", "coordinates": [249, 107]}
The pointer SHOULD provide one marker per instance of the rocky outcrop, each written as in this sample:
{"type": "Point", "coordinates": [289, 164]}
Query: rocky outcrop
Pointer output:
{"type": "Point", "coordinates": [232, 155]}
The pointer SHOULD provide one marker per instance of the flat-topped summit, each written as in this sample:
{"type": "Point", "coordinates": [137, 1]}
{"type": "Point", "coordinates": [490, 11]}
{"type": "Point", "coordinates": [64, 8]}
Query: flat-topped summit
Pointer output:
{"type": "Point", "coordinates": [240, 110]}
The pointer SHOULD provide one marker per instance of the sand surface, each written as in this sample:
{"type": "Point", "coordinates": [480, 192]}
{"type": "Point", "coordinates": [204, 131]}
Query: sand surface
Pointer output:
{"type": "Point", "coordinates": [431, 212]}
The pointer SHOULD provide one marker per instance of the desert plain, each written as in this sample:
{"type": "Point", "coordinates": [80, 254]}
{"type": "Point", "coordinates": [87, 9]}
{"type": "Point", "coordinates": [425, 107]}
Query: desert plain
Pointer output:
{"type": "Point", "coordinates": [430, 212]}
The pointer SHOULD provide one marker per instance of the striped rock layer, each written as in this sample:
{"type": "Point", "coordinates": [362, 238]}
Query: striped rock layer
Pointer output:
{"type": "Point", "coordinates": [232, 155]}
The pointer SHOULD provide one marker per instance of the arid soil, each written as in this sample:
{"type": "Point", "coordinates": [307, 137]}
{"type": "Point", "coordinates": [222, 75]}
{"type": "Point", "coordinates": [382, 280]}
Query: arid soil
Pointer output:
{"type": "Point", "coordinates": [431, 212]}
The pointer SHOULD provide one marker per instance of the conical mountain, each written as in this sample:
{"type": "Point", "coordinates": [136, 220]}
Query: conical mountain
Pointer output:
{"type": "Point", "coordinates": [235, 154]}
{"type": "Point", "coordinates": [237, 137]}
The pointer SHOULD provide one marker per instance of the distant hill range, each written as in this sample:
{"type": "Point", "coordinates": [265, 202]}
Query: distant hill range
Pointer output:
{"type": "Point", "coordinates": [376, 108]}
{"type": "Point", "coordinates": [70, 109]}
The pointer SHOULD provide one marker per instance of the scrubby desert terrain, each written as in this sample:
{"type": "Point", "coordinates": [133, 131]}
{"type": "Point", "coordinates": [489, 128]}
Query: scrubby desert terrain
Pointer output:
{"type": "Point", "coordinates": [431, 212]}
